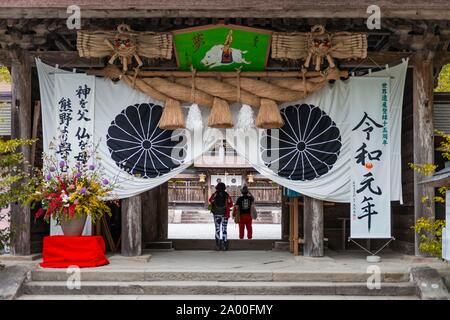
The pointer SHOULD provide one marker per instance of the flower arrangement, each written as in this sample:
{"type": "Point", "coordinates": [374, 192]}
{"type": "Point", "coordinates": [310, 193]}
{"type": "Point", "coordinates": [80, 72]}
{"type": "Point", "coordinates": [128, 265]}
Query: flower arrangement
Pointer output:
{"type": "Point", "coordinates": [67, 192]}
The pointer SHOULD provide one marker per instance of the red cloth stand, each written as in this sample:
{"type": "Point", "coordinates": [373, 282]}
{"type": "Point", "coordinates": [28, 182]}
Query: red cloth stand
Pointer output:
{"type": "Point", "coordinates": [84, 252]}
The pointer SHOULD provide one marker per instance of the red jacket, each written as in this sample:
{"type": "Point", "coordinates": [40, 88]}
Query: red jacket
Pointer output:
{"type": "Point", "coordinates": [228, 204]}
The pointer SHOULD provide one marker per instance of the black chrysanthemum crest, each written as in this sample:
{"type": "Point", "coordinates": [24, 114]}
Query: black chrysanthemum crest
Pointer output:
{"type": "Point", "coordinates": [140, 147]}
{"type": "Point", "coordinates": [306, 147]}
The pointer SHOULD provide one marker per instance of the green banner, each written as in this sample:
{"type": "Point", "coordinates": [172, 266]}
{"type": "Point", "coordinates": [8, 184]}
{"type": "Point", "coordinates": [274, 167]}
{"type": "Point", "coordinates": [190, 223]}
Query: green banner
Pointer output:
{"type": "Point", "coordinates": [222, 48]}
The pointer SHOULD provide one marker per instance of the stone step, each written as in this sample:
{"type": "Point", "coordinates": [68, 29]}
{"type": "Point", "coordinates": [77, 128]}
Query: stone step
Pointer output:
{"type": "Point", "coordinates": [207, 244]}
{"type": "Point", "coordinates": [217, 288]}
{"type": "Point", "coordinates": [207, 275]}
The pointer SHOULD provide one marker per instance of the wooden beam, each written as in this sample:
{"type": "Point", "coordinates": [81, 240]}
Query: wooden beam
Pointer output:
{"type": "Point", "coordinates": [21, 112]}
{"type": "Point", "coordinates": [71, 59]}
{"type": "Point", "coordinates": [131, 226]}
{"type": "Point", "coordinates": [65, 59]}
{"type": "Point", "coordinates": [213, 74]}
{"type": "Point", "coordinates": [313, 227]}
{"type": "Point", "coordinates": [423, 134]}
{"type": "Point", "coordinates": [128, 9]}
{"type": "Point", "coordinates": [375, 59]}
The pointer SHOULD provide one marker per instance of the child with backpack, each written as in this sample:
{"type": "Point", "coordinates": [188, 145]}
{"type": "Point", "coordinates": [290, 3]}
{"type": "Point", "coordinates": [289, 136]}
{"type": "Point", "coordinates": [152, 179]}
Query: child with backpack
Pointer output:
{"type": "Point", "coordinates": [221, 204]}
{"type": "Point", "coordinates": [244, 204]}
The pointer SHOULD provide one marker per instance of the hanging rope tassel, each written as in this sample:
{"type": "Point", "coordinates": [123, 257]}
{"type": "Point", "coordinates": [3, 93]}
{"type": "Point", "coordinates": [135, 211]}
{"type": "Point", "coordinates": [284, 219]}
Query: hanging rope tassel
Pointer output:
{"type": "Point", "coordinates": [172, 117]}
{"type": "Point", "coordinates": [245, 119]}
{"type": "Point", "coordinates": [220, 116]}
{"type": "Point", "coordinates": [269, 116]}
{"type": "Point", "coordinates": [194, 120]}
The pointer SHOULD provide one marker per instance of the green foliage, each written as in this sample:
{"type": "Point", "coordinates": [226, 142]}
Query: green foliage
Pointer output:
{"type": "Point", "coordinates": [17, 179]}
{"type": "Point", "coordinates": [444, 80]}
{"type": "Point", "coordinates": [426, 169]}
{"type": "Point", "coordinates": [430, 232]}
{"type": "Point", "coordinates": [4, 75]}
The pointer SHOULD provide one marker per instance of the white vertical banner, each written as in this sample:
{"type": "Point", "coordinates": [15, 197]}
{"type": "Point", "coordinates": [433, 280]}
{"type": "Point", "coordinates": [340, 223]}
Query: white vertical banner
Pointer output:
{"type": "Point", "coordinates": [370, 204]}
{"type": "Point", "coordinates": [74, 101]}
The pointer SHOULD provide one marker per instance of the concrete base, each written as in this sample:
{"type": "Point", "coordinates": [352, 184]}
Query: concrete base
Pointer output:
{"type": "Point", "coordinates": [142, 258]}
{"type": "Point", "coordinates": [373, 259]}
{"type": "Point", "coordinates": [31, 257]}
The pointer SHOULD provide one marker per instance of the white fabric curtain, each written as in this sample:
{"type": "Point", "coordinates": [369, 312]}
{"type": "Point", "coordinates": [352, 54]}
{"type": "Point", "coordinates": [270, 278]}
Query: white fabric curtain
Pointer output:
{"type": "Point", "coordinates": [330, 182]}
{"type": "Point", "coordinates": [111, 99]}
{"type": "Point", "coordinates": [334, 100]}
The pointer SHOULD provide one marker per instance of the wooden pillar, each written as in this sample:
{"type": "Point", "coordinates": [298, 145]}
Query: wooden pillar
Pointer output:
{"type": "Point", "coordinates": [313, 227]}
{"type": "Point", "coordinates": [295, 227]}
{"type": "Point", "coordinates": [21, 113]}
{"type": "Point", "coordinates": [423, 134]}
{"type": "Point", "coordinates": [285, 218]}
{"type": "Point", "coordinates": [131, 226]}
{"type": "Point", "coordinates": [163, 214]}
{"type": "Point", "coordinates": [291, 226]}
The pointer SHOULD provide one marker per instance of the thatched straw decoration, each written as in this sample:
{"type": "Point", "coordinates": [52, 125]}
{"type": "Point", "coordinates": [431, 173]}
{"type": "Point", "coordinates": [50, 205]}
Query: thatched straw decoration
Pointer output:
{"type": "Point", "coordinates": [264, 89]}
{"type": "Point", "coordinates": [172, 117]}
{"type": "Point", "coordinates": [220, 116]}
{"type": "Point", "coordinates": [179, 92]}
{"type": "Point", "coordinates": [112, 72]}
{"type": "Point", "coordinates": [269, 116]}
{"type": "Point", "coordinates": [220, 89]}
{"type": "Point", "coordinates": [151, 45]}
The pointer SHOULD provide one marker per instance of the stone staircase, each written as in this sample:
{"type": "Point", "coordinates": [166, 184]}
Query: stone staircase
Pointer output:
{"type": "Point", "coordinates": [98, 284]}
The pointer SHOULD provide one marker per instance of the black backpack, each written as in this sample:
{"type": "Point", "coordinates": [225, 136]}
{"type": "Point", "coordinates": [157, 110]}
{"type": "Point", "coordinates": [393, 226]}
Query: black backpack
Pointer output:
{"type": "Point", "coordinates": [219, 205]}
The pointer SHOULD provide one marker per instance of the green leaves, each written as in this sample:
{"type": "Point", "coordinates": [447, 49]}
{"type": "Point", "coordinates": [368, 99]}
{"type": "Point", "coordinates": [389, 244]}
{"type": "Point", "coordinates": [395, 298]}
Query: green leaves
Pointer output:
{"type": "Point", "coordinates": [16, 177]}
{"type": "Point", "coordinates": [444, 80]}
{"type": "Point", "coordinates": [430, 232]}
{"type": "Point", "coordinates": [4, 75]}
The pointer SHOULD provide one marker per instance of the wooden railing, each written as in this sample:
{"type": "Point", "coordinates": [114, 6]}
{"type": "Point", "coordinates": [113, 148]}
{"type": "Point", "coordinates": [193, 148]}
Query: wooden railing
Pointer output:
{"type": "Point", "coordinates": [193, 192]}
{"type": "Point", "coordinates": [187, 192]}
